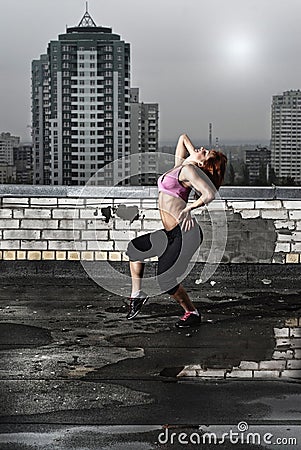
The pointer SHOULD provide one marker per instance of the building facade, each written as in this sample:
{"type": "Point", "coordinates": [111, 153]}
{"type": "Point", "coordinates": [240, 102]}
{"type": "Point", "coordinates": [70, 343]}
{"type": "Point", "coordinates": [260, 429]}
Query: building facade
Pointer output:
{"type": "Point", "coordinates": [286, 135]}
{"type": "Point", "coordinates": [144, 140]}
{"type": "Point", "coordinates": [7, 167]}
{"type": "Point", "coordinates": [258, 162]}
{"type": "Point", "coordinates": [23, 163]}
{"type": "Point", "coordinates": [81, 108]}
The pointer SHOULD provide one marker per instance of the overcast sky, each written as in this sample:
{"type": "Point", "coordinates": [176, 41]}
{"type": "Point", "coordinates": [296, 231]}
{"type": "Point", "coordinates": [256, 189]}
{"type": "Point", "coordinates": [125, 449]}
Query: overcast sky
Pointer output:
{"type": "Point", "coordinates": [203, 61]}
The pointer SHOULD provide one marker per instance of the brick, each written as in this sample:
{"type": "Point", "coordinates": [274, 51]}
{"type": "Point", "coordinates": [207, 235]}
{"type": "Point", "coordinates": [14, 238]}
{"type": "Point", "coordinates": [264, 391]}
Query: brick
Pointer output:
{"type": "Point", "coordinates": [89, 214]}
{"type": "Point", "coordinates": [65, 213]}
{"type": "Point", "coordinates": [237, 373]}
{"type": "Point", "coordinates": [268, 204]}
{"type": "Point", "coordinates": [216, 205]}
{"type": "Point", "coordinates": [293, 364]}
{"type": "Point", "coordinates": [151, 214]}
{"type": "Point", "coordinates": [282, 247]}
{"type": "Point", "coordinates": [298, 226]}
{"type": "Point", "coordinates": [102, 235]}
{"type": "Point", "coordinates": [120, 224]}
{"type": "Point", "coordinates": [296, 342]}
{"type": "Point", "coordinates": [15, 201]}
{"type": "Point", "coordinates": [249, 214]}
{"type": "Point", "coordinates": [241, 205]}
{"type": "Point", "coordinates": [73, 255]}
{"type": "Point", "coordinates": [114, 256]}
{"type": "Point", "coordinates": [282, 341]}
{"type": "Point", "coordinates": [10, 244]}
{"type": "Point", "coordinates": [34, 255]}
{"type": "Point", "coordinates": [274, 214]}
{"type": "Point", "coordinates": [33, 245]}
{"type": "Point", "coordinates": [297, 236]}
{"type": "Point", "coordinates": [286, 354]}
{"type": "Point", "coordinates": [9, 255]}
{"type": "Point", "coordinates": [98, 224]}
{"type": "Point", "coordinates": [149, 203]}
{"type": "Point", "coordinates": [21, 234]}
{"type": "Point", "coordinates": [100, 202]}
{"type": "Point", "coordinates": [60, 255]}
{"type": "Point", "coordinates": [284, 237]}
{"type": "Point", "coordinates": [187, 373]}
{"type": "Point", "coordinates": [100, 245]}
{"type": "Point", "coordinates": [292, 204]}
{"type": "Point", "coordinates": [21, 254]}
{"type": "Point", "coordinates": [6, 213]}
{"type": "Point", "coordinates": [287, 224]}
{"type": "Point", "coordinates": [273, 364]}
{"type": "Point", "coordinates": [295, 332]}
{"type": "Point", "coordinates": [248, 365]}
{"type": "Point", "coordinates": [122, 235]}
{"type": "Point", "coordinates": [60, 234]}
{"type": "Point", "coordinates": [76, 224]}
{"type": "Point", "coordinates": [125, 257]}
{"type": "Point", "coordinates": [39, 223]}
{"type": "Point", "coordinates": [293, 322]}
{"type": "Point", "coordinates": [294, 215]}
{"type": "Point", "coordinates": [87, 256]}
{"type": "Point", "coordinates": [1, 254]}
{"type": "Point", "coordinates": [217, 373]}
{"type": "Point", "coordinates": [9, 223]}
{"type": "Point", "coordinates": [292, 258]}
{"type": "Point", "coordinates": [37, 213]}
{"type": "Point", "coordinates": [43, 201]}
{"type": "Point", "coordinates": [296, 247]}
{"type": "Point", "coordinates": [101, 256]}
{"type": "Point", "coordinates": [120, 245]}
{"type": "Point", "coordinates": [291, 374]}
{"type": "Point", "coordinates": [48, 255]}
{"type": "Point", "coordinates": [152, 224]}
{"type": "Point", "coordinates": [266, 373]}
{"type": "Point", "coordinates": [282, 332]}
{"type": "Point", "coordinates": [66, 245]}
{"type": "Point", "coordinates": [71, 202]}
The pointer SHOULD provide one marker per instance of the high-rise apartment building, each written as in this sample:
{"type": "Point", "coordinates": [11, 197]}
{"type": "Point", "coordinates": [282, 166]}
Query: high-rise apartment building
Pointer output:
{"type": "Point", "coordinates": [286, 135]}
{"type": "Point", "coordinates": [23, 163]}
{"type": "Point", "coordinates": [258, 162]}
{"type": "Point", "coordinates": [144, 139]}
{"type": "Point", "coordinates": [81, 107]}
{"type": "Point", "coordinates": [7, 167]}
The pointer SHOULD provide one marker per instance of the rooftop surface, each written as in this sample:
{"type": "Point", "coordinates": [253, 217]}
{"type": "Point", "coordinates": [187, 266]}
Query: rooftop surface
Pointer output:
{"type": "Point", "coordinates": [76, 374]}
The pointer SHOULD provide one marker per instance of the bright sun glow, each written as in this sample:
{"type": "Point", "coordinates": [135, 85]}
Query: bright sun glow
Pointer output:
{"type": "Point", "coordinates": [239, 50]}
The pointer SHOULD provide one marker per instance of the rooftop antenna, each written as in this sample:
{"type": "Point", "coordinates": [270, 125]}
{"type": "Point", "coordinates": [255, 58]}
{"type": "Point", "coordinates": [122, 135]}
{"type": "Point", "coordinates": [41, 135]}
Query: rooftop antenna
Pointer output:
{"type": "Point", "coordinates": [87, 20]}
{"type": "Point", "coordinates": [210, 135]}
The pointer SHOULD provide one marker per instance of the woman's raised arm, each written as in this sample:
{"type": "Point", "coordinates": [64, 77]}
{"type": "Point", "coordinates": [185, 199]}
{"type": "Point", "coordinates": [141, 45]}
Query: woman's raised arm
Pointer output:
{"type": "Point", "coordinates": [184, 145]}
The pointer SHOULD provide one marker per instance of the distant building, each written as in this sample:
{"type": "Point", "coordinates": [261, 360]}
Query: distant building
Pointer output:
{"type": "Point", "coordinates": [7, 168]}
{"type": "Point", "coordinates": [258, 162]}
{"type": "Point", "coordinates": [286, 135]}
{"type": "Point", "coordinates": [144, 139]}
{"type": "Point", "coordinates": [23, 163]}
{"type": "Point", "coordinates": [81, 107]}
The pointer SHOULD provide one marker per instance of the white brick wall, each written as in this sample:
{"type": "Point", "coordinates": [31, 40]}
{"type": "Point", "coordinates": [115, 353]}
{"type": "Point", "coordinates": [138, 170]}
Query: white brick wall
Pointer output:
{"type": "Point", "coordinates": [28, 223]}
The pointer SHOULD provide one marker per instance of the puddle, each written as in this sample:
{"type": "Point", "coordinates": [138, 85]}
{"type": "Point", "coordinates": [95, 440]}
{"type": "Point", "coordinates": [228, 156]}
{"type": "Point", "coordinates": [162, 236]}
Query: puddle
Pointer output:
{"type": "Point", "coordinates": [22, 336]}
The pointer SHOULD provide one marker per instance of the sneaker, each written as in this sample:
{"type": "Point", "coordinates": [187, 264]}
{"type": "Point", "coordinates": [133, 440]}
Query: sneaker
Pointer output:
{"type": "Point", "coordinates": [136, 306]}
{"type": "Point", "coordinates": [189, 320]}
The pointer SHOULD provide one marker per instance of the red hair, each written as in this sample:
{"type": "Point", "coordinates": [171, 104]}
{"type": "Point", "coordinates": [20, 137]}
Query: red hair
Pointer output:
{"type": "Point", "coordinates": [215, 167]}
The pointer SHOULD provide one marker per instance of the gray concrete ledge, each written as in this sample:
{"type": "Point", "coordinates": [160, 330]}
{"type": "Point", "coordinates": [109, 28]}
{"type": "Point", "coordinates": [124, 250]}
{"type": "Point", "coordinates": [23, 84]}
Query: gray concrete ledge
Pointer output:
{"type": "Point", "coordinates": [226, 192]}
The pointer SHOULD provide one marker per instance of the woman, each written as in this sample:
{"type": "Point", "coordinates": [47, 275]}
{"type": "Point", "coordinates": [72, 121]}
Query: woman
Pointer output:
{"type": "Point", "coordinates": [181, 236]}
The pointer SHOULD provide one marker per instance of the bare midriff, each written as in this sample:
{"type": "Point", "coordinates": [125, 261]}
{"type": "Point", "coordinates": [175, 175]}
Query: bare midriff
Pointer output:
{"type": "Point", "coordinates": [170, 208]}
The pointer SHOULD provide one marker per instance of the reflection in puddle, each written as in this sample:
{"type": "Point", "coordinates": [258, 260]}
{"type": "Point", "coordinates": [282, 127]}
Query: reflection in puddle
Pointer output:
{"type": "Point", "coordinates": [284, 364]}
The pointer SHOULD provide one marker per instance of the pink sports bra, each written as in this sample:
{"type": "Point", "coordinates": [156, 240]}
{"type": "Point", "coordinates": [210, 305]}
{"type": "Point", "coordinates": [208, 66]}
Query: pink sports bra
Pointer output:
{"type": "Point", "coordinates": [170, 184]}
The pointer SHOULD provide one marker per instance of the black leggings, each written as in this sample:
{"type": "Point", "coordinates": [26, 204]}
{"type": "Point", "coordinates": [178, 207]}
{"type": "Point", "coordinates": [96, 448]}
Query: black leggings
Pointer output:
{"type": "Point", "coordinates": [174, 249]}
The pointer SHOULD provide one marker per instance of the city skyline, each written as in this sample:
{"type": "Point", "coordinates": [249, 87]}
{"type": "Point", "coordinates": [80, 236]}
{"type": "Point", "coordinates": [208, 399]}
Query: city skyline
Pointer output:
{"type": "Point", "coordinates": [202, 63]}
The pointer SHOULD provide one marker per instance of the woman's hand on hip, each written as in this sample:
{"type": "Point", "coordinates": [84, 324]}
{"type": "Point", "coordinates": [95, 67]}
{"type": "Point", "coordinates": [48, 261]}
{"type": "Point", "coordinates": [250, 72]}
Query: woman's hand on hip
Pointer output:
{"type": "Point", "coordinates": [186, 219]}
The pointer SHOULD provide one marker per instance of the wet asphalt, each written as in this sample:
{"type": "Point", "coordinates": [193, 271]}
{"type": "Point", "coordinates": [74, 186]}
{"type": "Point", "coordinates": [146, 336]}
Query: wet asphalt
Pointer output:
{"type": "Point", "coordinates": [75, 374]}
